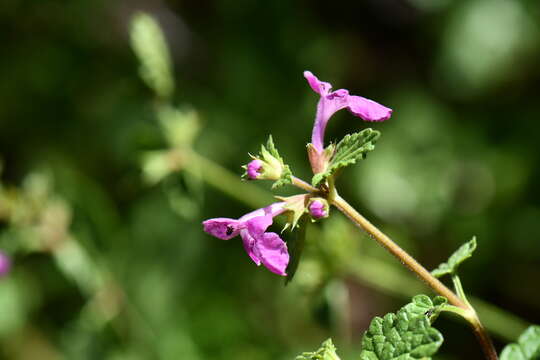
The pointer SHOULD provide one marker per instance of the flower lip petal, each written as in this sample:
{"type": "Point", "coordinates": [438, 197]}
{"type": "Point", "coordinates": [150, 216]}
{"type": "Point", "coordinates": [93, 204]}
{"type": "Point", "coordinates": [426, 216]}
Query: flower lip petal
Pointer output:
{"type": "Point", "coordinates": [258, 225]}
{"type": "Point", "coordinates": [368, 110]}
{"type": "Point", "coordinates": [273, 253]}
{"type": "Point", "coordinates": [249, 245]}
{"type": "Point", "coordinates": [222, 228]}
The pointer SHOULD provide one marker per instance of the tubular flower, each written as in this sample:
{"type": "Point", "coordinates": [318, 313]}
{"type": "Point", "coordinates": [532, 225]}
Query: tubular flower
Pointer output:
{"type": "Point", "coordinates": [333, 101]}
{"type": "Point", "coordinates": [263, 247]}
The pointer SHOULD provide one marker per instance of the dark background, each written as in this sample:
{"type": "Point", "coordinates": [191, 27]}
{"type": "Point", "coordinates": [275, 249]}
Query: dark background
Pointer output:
{"type": "Point", "coordinates": [458, 158]}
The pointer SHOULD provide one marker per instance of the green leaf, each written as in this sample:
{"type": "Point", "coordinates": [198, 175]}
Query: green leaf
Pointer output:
{"type": "Point", "coordinates": [285, 179]}
{"type": "Point", "coordinates": [286, 173]}
{"type": "Point", "coordinates": [148, 43]}
{"type": "Point", "coordinates": [296, 247]}
{"type": "Point", "coordinates": [463, 253]}
{"type": "Point", "coordinates": [527, 347]}
{"type": "Point", "coordinates": [350, 149]}
{"type": "Point", "coordinates": [327, 351]}
{"type": "Point", "coordinates": [405, 335]}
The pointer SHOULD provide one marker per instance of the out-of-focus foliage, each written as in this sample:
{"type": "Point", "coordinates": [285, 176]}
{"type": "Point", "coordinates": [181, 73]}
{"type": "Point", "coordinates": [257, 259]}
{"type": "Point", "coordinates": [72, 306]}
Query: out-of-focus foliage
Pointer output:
{"type": "Point", "coordinates": [109, 258]}
{"type": "Point", "coordinates": [527, 347]}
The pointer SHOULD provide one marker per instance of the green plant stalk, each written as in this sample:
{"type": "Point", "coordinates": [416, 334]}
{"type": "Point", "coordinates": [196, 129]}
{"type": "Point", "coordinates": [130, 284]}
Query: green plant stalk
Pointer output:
{"type": "Point", "coordinates": [391, 280]}
{"type": "Point", "coordinates": [459, 289]}
{"type": "Point", "coordinates": [421, 272]}
{"type": "Point", "coordinates": [466, 310]}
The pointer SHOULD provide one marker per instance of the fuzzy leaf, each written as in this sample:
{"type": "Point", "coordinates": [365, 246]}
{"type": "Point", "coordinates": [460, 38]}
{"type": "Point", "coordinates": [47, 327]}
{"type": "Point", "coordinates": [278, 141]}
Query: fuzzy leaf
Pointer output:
{"type": "Point", "coordinates": [463, 253]}
{"type": "Point", "coordinates": [405, 335]}
{"type": "Point", "coordinates": [350, 149]}
{"type": "Point", "coordinates": [285, 179]}
{"type": "Point", "coordinates": [327, 351]}
{"type": "Point", "coordinates": [527, 347]}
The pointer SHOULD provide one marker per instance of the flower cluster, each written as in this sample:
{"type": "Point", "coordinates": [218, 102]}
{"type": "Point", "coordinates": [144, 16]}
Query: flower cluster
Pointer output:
{"type": "Point", "coordinates": [267, 248]}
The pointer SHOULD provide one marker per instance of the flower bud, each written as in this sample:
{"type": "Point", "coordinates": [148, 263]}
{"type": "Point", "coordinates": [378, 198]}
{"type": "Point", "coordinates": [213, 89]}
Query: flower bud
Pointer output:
{"type": "Point", "coordinates": [318, 208]}
{"type": "Point", "coordinates": [253, 169]}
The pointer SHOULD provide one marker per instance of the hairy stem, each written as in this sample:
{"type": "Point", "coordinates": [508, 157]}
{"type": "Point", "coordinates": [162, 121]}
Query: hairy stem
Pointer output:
{"type": "Point", "coordinates": [398, 252]}
{"type": "Point", "coordinates": [421, 272]}
{"type": "Point", "coordinates": [460, 303]}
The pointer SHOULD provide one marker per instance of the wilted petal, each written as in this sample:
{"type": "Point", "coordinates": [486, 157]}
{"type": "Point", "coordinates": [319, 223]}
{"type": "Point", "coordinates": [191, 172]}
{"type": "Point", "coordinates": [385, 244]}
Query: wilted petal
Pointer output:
{"type": "Point", "coordinates": [222, 228]}
{"type": "Point", "coordinates": [272, 252]}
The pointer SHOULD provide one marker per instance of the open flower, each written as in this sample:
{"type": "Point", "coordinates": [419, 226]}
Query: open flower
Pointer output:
{"type": "Point", "coordinates": [333, 101]}
{"type": "Point", "coordinates": [263, 247]}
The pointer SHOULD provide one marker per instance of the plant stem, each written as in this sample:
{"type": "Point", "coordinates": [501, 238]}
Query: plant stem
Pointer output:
{"type": "Point", "coordinates": [468, 312]}
{"type": "Point", "coordinates": [398, 252]}
{"type": "Point", "coordinates": [483, 338]}
{"type": "Point", "coordinates": [459, 289]}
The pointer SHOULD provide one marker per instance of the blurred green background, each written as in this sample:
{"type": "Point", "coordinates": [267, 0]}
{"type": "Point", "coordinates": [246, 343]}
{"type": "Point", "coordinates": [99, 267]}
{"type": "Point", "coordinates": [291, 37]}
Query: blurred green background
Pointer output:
{"type": "Point", "coordinates": [110, 261]}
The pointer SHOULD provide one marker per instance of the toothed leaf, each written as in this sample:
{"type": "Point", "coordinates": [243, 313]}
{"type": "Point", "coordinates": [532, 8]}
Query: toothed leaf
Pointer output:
{"type": "Point", "coordinates": [327, 351]}
{"type": "Point", "coordinates": [463, 253]}
{"type": "Point", "coordinates": [405, 335]}
{"type": "Point", "coordinates": [351, 148]}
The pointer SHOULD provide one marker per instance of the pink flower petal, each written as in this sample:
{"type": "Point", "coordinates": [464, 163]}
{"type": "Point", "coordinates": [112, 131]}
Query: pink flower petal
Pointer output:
{"type": "Point", "coordinates": [222, 228]}
{"type": "Point", "coordinates": [258, 225]}
{"type": "Point", "coordinates": [331, 102]}
{"type": "Point", "coordinates": [368, 110]}
{"type": "Point", "coordinates": [249, 244]}
{"type": "Point", "coordinates": [273, 253]}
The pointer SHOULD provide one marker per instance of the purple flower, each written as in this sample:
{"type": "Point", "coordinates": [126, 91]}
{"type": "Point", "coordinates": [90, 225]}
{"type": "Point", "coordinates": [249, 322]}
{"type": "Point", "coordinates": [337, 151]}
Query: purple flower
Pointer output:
{"type": "Point", "coordinates": [253, 169]}
{"type": "Point", "coordinates": [263, 247]}
{"type": "Point", "coordinates": [333, 101]}
{"type": "Point", "coordinates": [5, 264]}
{"type": "Point", "coordinates": [317, 209]}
